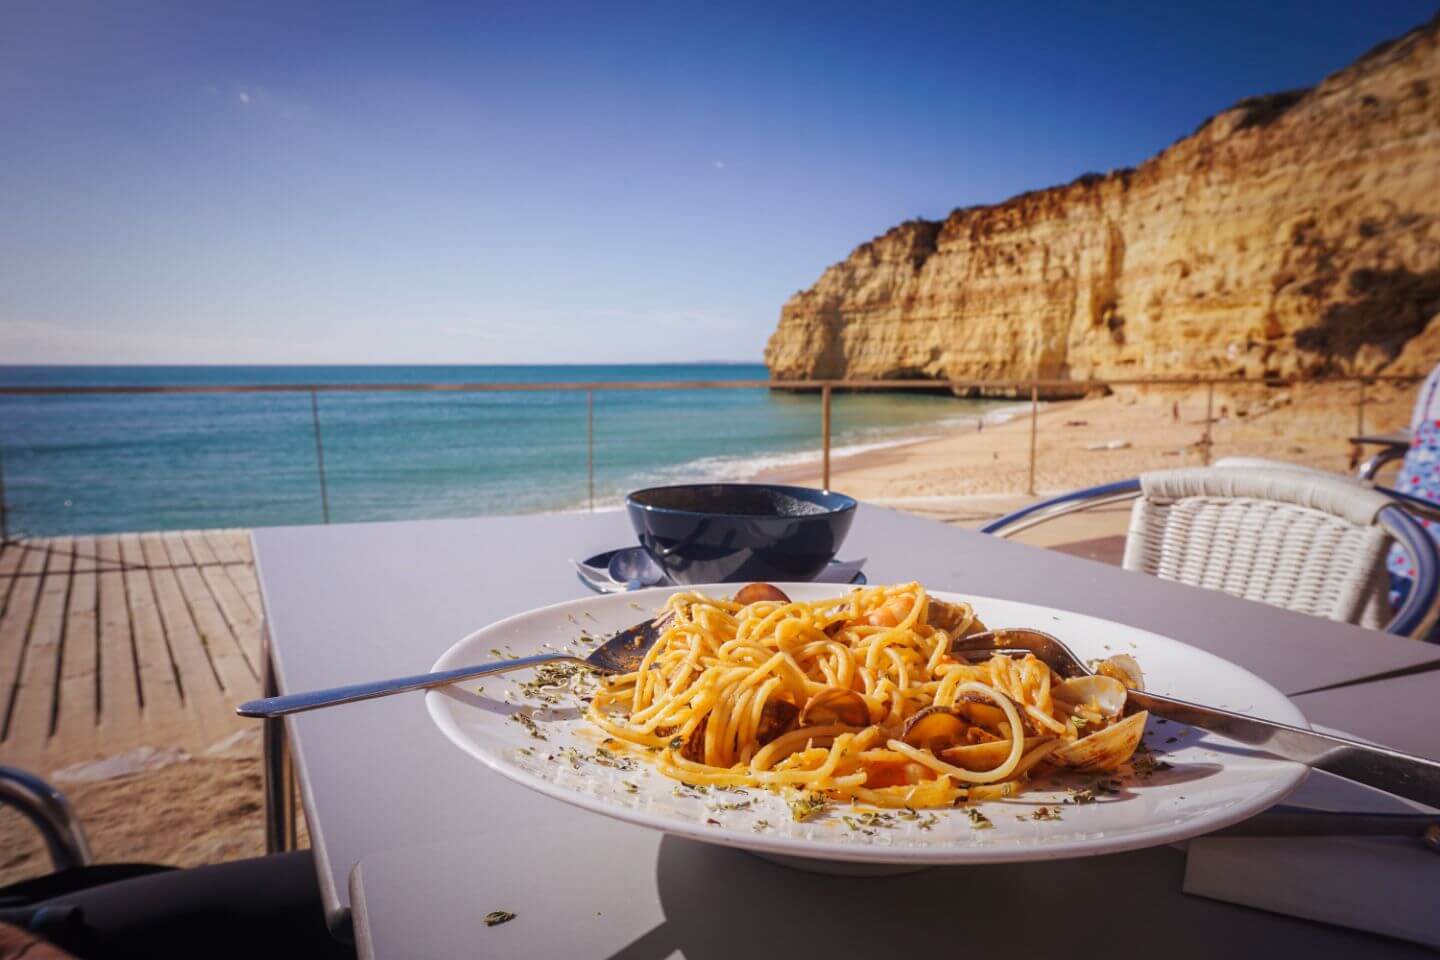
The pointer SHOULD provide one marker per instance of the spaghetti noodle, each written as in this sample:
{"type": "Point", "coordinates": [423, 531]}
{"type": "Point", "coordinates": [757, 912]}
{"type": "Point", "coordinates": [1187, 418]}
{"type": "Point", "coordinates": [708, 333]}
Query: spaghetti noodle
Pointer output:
{"type": "Point", "coordinates": [858, 698]}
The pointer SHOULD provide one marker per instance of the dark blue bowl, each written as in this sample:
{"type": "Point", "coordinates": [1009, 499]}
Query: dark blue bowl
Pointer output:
{"type": "Point", "coordinates": [716, 532]}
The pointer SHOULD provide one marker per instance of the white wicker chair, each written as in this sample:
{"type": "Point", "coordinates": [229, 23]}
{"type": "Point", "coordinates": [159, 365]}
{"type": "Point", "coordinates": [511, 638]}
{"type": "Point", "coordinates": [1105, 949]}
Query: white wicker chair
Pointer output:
{"type": "Point", "coordinates": [1302, 540]}
{"type": "Point", "coordinates": [1284, 538]}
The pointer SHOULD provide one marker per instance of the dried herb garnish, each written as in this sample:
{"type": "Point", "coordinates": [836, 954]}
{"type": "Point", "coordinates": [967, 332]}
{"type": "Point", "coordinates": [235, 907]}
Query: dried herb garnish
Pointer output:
{"type": "Point", "coordinates": [497, 917]}
{"type": "Point", "coordinates": [528, 722]}
{"type": "Point", "coordinates": [978, 820]}
{"type": "Point", "coordinates": [731, 805]}
{"type": "Point", "coordinates": [607, 759]}
{"type": "Point", "coordinates": [807, 806]}
{"type": "Point", "coordinates": [554, 681]}
{"type": "Point", "coordinates": [1046, 813]}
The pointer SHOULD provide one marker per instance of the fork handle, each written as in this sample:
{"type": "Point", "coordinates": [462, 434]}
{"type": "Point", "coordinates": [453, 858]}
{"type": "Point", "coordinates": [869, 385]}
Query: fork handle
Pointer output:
{"type": "Point", "coordinates": [1404, 775]}
{"type": "Point", "coordinates": [334, 696]}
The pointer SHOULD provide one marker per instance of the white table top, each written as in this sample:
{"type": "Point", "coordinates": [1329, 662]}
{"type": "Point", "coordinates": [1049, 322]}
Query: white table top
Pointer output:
{"type": "Point", "coordinates": [354, 602]}
{"type": "Point", "coordinates": [1403, 712]}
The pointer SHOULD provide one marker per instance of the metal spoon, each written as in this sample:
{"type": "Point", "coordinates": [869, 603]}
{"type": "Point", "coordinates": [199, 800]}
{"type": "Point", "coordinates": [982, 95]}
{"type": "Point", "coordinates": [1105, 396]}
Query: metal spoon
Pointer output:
{"type": "Point", "coordinates": [635, 568]}
{"type": "Point", "coordinates": [622, 653]}
{"type": "Point", "coordinates": [1402, 774]}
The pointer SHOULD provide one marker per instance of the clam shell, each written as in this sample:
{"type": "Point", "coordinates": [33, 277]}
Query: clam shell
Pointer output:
{"type": "Point", "coordinates": [934, 728]}
{"type": "Point", "coordinates": [984, 756]}
{"type": "Point", "coordinates": [1104, 749]}
{"type": "Point", "coordinates": [1124, 668]}
{"type": "Point", "coordinates": [1105, 694]}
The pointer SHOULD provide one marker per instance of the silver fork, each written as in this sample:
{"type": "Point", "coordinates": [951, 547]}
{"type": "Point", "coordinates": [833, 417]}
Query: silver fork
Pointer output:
{"type": "Point", "coordinates": [1403, 774]}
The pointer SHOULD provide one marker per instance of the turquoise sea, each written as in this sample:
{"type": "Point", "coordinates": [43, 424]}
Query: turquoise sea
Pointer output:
{"type": "Point", "coordinates": [115, 462]}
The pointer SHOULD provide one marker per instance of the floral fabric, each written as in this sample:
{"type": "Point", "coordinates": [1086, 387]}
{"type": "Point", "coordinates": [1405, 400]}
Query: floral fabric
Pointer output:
{"type": "Point", "coordinates": [1419, 477]}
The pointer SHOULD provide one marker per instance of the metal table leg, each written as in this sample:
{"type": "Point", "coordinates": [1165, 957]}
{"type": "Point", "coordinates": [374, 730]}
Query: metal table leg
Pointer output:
{"type": "Point", "coordinates": [279, 773]}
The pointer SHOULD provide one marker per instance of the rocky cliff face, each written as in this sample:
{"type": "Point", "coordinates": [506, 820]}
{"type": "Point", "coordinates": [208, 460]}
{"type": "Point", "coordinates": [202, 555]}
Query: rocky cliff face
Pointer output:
{"type": "Point", "coordinates": [1297, 233]}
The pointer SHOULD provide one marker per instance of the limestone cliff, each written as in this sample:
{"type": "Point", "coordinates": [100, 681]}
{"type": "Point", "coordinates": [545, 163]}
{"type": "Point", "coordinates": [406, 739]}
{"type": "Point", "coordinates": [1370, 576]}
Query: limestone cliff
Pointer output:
{"type": "Point", "coordinates": [1297, 233]}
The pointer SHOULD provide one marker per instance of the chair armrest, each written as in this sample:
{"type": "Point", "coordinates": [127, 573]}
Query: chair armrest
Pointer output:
{"type": "Point", "coordinates": [1074, 502]}
{"type": "Point", "coordinates": [1421, 508]}
{"type": "Point", "coordinates": [1417, 614]}
{"type": "Point", "coordinates": [1376, 461]}
{"type": "Point", "coordinates": [50, 812]}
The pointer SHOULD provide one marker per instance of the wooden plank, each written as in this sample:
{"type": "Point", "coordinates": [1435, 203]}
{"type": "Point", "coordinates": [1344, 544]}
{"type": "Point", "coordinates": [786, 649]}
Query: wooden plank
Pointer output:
{"type": "Point", "coordinates": [32, 708]}
{"type": "Point", "coordinates": [200, 548]}
{"type": "Point", "coordinates": [10, 556]}
{"type": "Point", "coordinates": [225, 547]}
{"type": "Point", "coordinates": [14, 628]}
{"type": "Point", "coordinates": [221, 645]}
{"type": "Point", "coordinates": [10, 565]}
{"type": "Point", "coordinates": [119, 703]}
{"type": "Point", "coordinates": [152, 548]}
{"type": "Point", "coordinates": [241, 539]}
{"type": "Point", "coordinates": [176, 550]}
{"type": "Point", "coordinates": [107, 552]}
{"type": "Point", "coordinates": [162, 718]}
{"type": "Point", "coordinates": [244, 623]}
{"type": "Point", "coordinates": [243, 576]}
{"type": "Point", "coordinates": [78, 694]}
{"type": "Point", "coordinates": [199, 684]}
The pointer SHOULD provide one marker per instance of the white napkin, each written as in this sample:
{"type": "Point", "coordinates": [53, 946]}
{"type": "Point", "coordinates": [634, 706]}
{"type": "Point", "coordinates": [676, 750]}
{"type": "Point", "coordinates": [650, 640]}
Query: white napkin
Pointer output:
{"type": "Point", "coordinates": [1379, 884]}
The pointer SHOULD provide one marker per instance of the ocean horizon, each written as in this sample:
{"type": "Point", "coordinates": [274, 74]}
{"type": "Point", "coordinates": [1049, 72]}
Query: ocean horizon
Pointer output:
{"type": "Point", "coordinates": [106, 463]}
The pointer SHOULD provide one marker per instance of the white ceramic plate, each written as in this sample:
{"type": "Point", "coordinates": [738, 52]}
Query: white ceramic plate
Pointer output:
{"type": "Point", "coordinates": [1210, 782]}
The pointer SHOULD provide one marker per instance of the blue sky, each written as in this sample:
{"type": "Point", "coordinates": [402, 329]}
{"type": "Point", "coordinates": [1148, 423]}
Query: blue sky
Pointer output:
{"type": "Point", "coordinates": [457, 182]}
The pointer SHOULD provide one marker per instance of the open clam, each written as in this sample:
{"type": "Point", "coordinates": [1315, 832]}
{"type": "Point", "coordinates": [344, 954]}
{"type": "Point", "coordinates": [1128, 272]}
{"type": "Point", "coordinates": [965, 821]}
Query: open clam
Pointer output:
{"type": "Point", "coordinates": [1104, 749]}
{"type": "Point", "coordinates": [984, 756]}
{"type": "Point", "coordinates": [1102, 696]}
{"type": "Point", "coordinates": [984, 714]}
{"type": "Point", "coordinates": [934, 729]}
{"type": "Point", "coordinates": [776, 717]}
{"type": "Point", "coordinates": [1122, 667]}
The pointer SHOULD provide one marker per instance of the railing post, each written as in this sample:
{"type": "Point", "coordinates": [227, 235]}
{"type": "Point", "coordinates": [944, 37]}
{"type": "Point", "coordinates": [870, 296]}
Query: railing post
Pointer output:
{"type": "Point", "coordinates": [1360, 410]}
{"type": "Point", "coordinates": [4, 508]}
{"type": "Point", "coordinates": [1357, 450]}
{"type": "Point", "coordinates": [1034, 431]}
{"type": "Point", "coordinates": [590, 445]}
{"type": "Point", "coordinates": [1209, 419]}
{"type": "Point", "coordinates": [825, 437]}
{"type": "Point", "coordinates": [319, 454]}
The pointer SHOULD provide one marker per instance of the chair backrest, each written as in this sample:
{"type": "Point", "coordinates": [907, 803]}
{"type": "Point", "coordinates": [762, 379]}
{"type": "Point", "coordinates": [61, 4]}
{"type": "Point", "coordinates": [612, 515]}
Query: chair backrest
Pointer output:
{"type": "Point", "coordinates": [1305, 542]}
{"type": "Point", "coordinates": [1265, 463]}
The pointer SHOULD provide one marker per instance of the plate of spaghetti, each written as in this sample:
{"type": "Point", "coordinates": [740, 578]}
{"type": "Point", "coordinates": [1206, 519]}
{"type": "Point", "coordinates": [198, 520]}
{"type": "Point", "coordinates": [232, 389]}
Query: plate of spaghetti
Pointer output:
{"type": "Point", "coordinates": [807, 721]}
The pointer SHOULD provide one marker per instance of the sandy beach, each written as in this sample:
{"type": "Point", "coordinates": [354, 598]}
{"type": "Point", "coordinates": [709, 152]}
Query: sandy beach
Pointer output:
{"type": "Point", "coordinates": [1084, 442]}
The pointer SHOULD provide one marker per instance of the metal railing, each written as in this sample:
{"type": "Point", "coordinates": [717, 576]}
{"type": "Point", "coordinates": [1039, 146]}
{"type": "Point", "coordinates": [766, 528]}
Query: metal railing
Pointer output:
{"type": "Point", "coordinates": [826, 388]}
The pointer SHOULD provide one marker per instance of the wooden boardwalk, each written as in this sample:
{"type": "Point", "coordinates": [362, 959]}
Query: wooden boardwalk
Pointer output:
{"type": "Point", "coordinates": [108, 643]}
